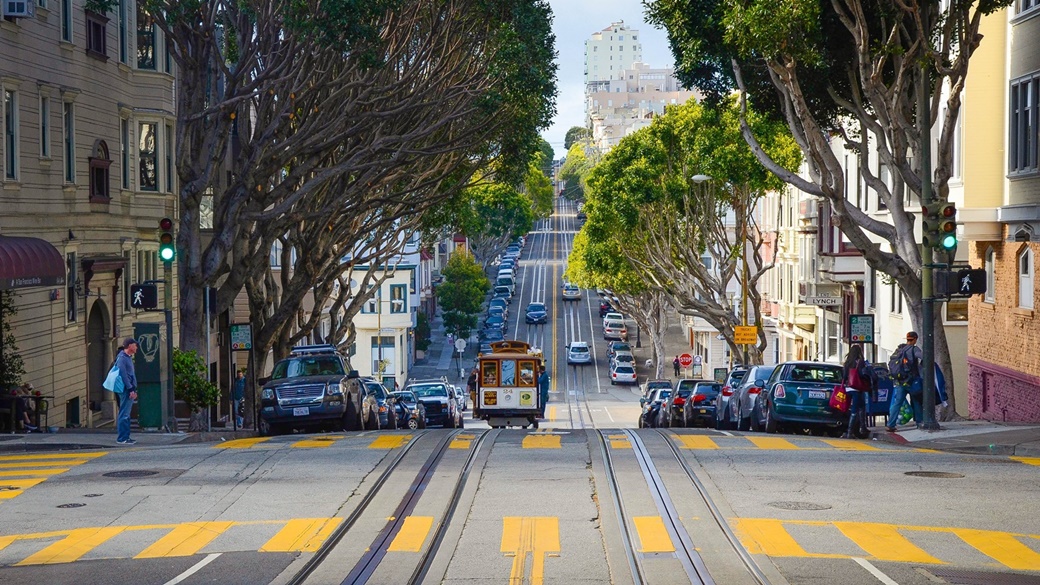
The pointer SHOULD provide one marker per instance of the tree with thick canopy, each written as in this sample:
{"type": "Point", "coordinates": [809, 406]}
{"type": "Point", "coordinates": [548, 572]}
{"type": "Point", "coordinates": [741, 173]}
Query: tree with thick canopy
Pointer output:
{"type": "Point", "coordinates": [574, 135]}
{"type": "Point", "coordinates": [851, 71]}
{"type": "Point", "coordinates": [462, 292]}
{"type": "Point", "coordinates": [574, 169]}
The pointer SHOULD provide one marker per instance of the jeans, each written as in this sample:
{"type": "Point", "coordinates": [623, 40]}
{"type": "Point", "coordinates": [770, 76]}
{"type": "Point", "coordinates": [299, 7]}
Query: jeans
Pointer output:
{"type": "Point", "coordinates": [899, 394]}
{"type": "Point", "coordinates": [857, 400]}
{"type": "Point", "coordinates": [123, 419]}
{"type": "Point", "coordinates": [236, 411]}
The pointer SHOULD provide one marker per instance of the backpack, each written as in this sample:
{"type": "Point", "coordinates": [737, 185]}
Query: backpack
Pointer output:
{"type": "Point", "coordinates": [902, 366]}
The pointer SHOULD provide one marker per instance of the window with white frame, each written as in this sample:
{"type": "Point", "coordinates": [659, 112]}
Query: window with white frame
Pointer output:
{"type": "Point", "coordinates": [145, 38]}
{"type": "Point", "coordinates": [68, 132]}
{"type": "Point", "coordinates": [123, 16]}
{"type": "Point", "coordinates": [71, 299]}
{"type": "Point", "coordinates": [371, 306]}
{"type": "Point", "coordinates": [398, 298]}
{"type": "Point", "coordinates": [124, 144]}
{"type": "Point", "coordinates": [1026, 5]}
{"type": "Point", "coordinates": [1022, 135]}
{"type": "Point", "coordinates": [10, 134]}
{"type": "Point", "coordinates": [45, 126]}
{"type": "Point", "coordinates": [148, 156]}
{"type": "Point", "coordinates": [1026, 292]}
{"type": "Point", "coordinates": [276, 254]}
{"type": "Point", "coordinates": [147, 265]}
{"type": "Point", "coordinates": [168, 154]}
{"type": "Point", "coordinates": [990, 297]}
{"type": "Point", "coordinates": [66, 20]}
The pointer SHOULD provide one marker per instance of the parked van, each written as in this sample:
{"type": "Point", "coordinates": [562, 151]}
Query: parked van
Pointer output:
{"type": "Point", "coordinates": [506, 280]}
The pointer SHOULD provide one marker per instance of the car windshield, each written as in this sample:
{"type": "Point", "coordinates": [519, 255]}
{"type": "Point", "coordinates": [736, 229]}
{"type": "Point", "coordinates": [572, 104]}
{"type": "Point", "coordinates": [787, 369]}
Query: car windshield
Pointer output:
{"type": "Point", "coordinates": [376, 389]}
{"type": "Point", "coordinates": [536, 307]}
{"type": "Point", "coordinates": [299, 367]}
{"type": "Point", "coordinates": [404, 396]}
{"type": "Point", "coordinates": [580, 349]}
{"type": "Point", "coordinates": [624, 370]}
{"type": "Point", "coordinates": [653, 385]}
{"type": "Point", "coordinates": [615, 324]}
{"type": "Point", "coordinates": [430, 390]}
{"type": "Point", "coordinates": [621, 347]}
{"type": "Point", "coordinates": [816, 373]}
{"type": "Point", "coordinates": [708, 388]}
{"type": "Point", "coordinates": [624, 358]}
{"type": "Point", "coordinates": [664, 394]}
{"type": "Point", "coordinates": [501, 290]}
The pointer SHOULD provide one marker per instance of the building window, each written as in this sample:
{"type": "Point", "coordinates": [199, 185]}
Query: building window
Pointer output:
{"type": "Point", "coordinates": [398, 298]}
{"type": "Point", "coordinates": [127, 280]}
{"type": "Point", "coordinates": [1027, 5]}
{"type": "Point", "coordinates": [99, 163]}
{"type": "Point", "coordinates": [124, 160]}
{"type": "Point", "coordinates": [71, 301]}
{"type": "Point", "coordinates": [45, 127]}
{"type": "Point", "coordinates": [66, 20]}
{"type": "Point", "coordinates": [168, 144]}
{"type": "Point", "coordinates": [68, 130]}
{"type": "Point", "coordinates": [10, 134]}
{"type": "Point", "coordinates": [122, 16]}
{"type": "Point", "coordinates": [1022, 135]}
{"type": "Point", "coordinates": [989, 297]}
{"type": "Point", "coordinates": [147, 265]}
{"type": "Point", "coordinates": [1025, 279]}
{"type": "Point", "coordinates": [872, 291]}
{"type": "Point", "coordinates": [145, 38]}
{"type": "Point", "coordinates": [147, 157]}
{"type": "Point", "coordinates": [276, 254]}
{"type": "Point", "coordinates": [957, 310]}
{"type": "Point", "coordinates": [97, 44]}
{"type": "Point", "coordinates": [206, 209]}
{"type": "Point", "coordinates": [371, 306]}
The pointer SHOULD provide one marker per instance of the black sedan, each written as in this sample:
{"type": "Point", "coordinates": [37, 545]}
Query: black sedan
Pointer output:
{"type": "Point", "coordinates": [536, 313]}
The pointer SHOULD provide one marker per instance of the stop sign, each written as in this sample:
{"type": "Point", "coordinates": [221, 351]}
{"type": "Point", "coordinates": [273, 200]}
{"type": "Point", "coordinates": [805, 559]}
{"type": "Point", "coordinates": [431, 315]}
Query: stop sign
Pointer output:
{"type": "Point", "coordinates": [686, 360]}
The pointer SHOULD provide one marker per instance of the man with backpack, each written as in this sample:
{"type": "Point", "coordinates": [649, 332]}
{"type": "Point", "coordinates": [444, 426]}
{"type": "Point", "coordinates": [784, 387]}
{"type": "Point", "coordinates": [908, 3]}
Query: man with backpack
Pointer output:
{"type": "Point", "coordinates": [904, 368]}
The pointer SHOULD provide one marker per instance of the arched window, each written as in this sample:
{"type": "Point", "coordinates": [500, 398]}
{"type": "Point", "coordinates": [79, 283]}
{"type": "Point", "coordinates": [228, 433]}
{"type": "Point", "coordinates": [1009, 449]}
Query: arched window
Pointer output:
{"type": "Point", "coordinates": [991, 281]}
{"type": "Point", "coordinates": [1026, 292]}
{"type": "Point", "coordinates": [99, 163]}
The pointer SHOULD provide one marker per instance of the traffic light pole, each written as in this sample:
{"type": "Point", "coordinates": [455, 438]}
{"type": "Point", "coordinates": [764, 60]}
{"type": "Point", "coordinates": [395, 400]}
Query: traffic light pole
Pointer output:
{"type": "Point", "coordinates": [924, 127]}
{"type": "Point", "coordinates": [168, 399]}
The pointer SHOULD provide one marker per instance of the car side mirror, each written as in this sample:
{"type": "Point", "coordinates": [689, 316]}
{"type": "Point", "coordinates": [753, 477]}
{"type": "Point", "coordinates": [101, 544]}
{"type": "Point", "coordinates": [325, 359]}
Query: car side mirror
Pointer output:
{"type": "Point", "coordinates": [642, 401]}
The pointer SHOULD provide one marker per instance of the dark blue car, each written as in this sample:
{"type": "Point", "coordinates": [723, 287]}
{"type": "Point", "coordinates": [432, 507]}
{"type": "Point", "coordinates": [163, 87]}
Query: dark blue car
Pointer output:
{"type": "Point", "coordinates": [536, 313]}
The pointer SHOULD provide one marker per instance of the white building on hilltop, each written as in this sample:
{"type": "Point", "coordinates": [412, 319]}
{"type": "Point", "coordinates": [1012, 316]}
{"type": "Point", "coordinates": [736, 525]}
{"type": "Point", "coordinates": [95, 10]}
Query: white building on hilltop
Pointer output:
{"type": "Point", "coordinates": [611, 51]}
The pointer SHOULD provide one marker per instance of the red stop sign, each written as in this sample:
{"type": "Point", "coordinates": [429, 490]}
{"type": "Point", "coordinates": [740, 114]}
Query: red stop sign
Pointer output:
{"type": "Point", "coordinates": [686, 360]}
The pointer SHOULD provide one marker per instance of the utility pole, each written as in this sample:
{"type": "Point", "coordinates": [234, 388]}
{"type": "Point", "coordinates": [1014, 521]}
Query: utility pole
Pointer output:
{"type": "Point", "coordinates": [924, 128]}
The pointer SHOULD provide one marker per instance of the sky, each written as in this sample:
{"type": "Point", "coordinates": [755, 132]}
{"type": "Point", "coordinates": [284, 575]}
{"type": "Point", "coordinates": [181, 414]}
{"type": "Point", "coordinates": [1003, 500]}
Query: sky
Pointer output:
{"type": "Point", "coordinates": [574, 21]}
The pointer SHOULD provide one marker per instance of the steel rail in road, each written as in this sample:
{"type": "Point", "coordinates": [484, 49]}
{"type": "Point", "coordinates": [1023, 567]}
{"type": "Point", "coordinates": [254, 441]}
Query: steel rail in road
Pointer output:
{"type": "Point", "coordinates": [337, 535]}
{"type": "Point", "coordinates": [634, 564]}
{"type": "Point", "coordinates": [745, 556]}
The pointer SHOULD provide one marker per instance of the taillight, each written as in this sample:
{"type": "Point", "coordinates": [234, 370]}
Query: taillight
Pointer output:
{"type": "Point", "coordinates": [679, 401]}
{"type": "Point", "coordinates": [779, 392]}
{"type": "Point", "coordinates": [754, 390]}
{"type": "Point", "coordinates": [699, 398]}
{"type": "Point", "coordinates": [727, 391]}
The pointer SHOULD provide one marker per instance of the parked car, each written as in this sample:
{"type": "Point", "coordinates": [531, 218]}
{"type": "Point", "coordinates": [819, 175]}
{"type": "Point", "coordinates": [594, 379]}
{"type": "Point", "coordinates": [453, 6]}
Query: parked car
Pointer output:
{"type": "Point", "coordinates": [671, 414]}
{"type": "Point", "coordinates": [605, 307]}
{"type": "Point", "coordinates": [485, 348]}
{"type": "Point", "coordinates": [798, 394]}
{"type": "Point", "coordinates": [384, 402]}
{"type": "Point", "coordinates": [502, 303]}
{"type": "Point", "coordinates": [578, 353]}
{"type": "Point", "coordinates": [615, 330]}
{"type": "Point", "coordinates": [617, 346]}
{"type": "Point", "coordinates": [624, 357]}
{"type": "Point", "coordinates": [312, 388]}
{"type": "Point", "coordinates": [699, 409]}
{"type": "Point", "coordinates": [492, 334]}
{"type": "Point", "coordinates": [651, 404]}
{"type": "Point", "coordinates": [571, 292]}
{"type": "Point", "coordinates": [622, 374]}
{"type": "Point", "coordinates": [742, 403]}
{"type": "Point", "coordinates": [723, 420]}
{"type": "Point", "coordinates": [460, 396]}
{"type": "Point", "coordinates": [613, 316]}
{"type": "Point", "coordinates": [411, 414]}
{"type": "Point", "coordinates": [536, 313]}
{"type": "Point", "coordinates": [495, 321]}
{"type": "Point", "coordinates": [439, 400]}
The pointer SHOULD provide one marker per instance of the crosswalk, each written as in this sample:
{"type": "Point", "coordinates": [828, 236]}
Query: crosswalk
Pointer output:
{"type": "Point", "coordinates": [21, 472]}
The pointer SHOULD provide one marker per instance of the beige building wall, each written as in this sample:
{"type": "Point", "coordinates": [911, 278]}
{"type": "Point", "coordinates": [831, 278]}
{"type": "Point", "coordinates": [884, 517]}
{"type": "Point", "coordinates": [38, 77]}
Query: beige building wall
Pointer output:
{"type": "Point", "coordinates": [67, 101]}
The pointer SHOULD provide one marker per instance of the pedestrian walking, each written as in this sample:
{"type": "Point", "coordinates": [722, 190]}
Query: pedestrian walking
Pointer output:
{"type": "Point", "coordinates": [675, 366]}
{"type": "Point", "coordinates": [125, 363]}
{"type": "Point", "coordinates": [904, 368]}
{"type": "Point", "coordinates": [238, 394]}
{"type": "Point", "coordinates": [857, 376]}
{"type": "Point", "coordinates": [543, 390]}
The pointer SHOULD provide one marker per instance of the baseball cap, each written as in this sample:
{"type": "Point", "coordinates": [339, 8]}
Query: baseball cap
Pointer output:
{"type": "Point", "coordinates": [128, 341]}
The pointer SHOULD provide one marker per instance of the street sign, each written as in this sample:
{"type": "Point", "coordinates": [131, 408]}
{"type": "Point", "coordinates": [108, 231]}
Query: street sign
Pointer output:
{"type": "Point", "coordinates": [241, 336]}
{"type": "Point", "coordinates": [720, 375]}
{"type": "Point", "coordinates": [962, 283]}
{"type": "Point", "coordinates": [745, 335]}
{"type": "Point", "coordinates": [460, 345]}
{"type": "Point", "coordinates": [144, 296]}
{"type": "Point", "coordinates": [698, 360]}
{"type": "Point", "coordinates": [861, 328]}
{"type": "Point", "coordinates": [823, 301]}
{"type": "Point", "coordinates": [686, 360]}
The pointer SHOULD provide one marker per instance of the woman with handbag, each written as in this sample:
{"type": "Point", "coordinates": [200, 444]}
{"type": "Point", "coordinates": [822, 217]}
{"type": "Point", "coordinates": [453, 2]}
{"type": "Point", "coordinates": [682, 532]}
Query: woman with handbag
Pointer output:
{"type": "Point", "coordinates": [857, 376]}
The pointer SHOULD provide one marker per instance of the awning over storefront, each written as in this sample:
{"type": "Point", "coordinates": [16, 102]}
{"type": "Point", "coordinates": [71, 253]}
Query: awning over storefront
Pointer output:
{"type": "Point", "coordinates": [27, 262]}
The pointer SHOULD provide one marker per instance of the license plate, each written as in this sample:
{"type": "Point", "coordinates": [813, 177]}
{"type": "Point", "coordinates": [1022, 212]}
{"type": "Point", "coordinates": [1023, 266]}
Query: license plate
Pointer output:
{"type": "Point", "coordinates": [817, 394]}
{"type": "Point", "coordinates": [301, 411]}
{"type": "Point", "coordinates": [704, 411]}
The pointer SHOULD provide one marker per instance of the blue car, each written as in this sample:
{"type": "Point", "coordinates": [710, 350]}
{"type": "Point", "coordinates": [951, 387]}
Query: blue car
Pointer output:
{"type": "Point", "coordinates": [536, 313]}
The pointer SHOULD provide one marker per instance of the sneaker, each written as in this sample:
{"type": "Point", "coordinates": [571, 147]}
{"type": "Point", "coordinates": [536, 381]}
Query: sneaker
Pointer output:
{"type": "Point", "coordinates": [30, 428]}
{"type": "Point", "coordinates": [127, 442]}
{"type": "Point", "coordinates": [890, 429]}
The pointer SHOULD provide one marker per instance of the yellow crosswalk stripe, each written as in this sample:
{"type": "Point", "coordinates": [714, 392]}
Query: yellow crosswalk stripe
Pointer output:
{"type": "Point", "coordinates": [76, 544]}
{"type": "Point", "coordinates": [241, 443]}
{"type": "Point", "coordinates": [10, 488]}
{"type": "Point", "coordinates": [390, 441]}
{"type": "Point", "coordinates": [301, 535]}
{"type": "Point", "coordinates": [462, 442]}
{"type": "Point", "coordinates": [1002, 547]}
{"type": "Point", "coordinates": [653, 536]}
{"type": "Point", "coordinates": [850, 445]}
{"type": "Point", "coordinates": [697, 442]}
{"type": "Point", "coordinates": [773, 443]}
{"type": "Point", "coordinates": [55, 463]}
{"type": "Point", "coordinates": [185, 540]}
{"type": "Point", "coordinates": [317, 442]}
{"type": "Point", "coordinates": [542, 441]}
{"type": "Point", "coordinates": [47, 456]}
{"type": "Point", "coordinates": [1028, 460]}
{"type": "Point", "coordinates": [26, 472]}
{"type": "Point", "coordinates": [412, 535]}
{"type": "Point", "coordinates": [767, 536]}
{"type": "Point", "coordinates": [885, 542]}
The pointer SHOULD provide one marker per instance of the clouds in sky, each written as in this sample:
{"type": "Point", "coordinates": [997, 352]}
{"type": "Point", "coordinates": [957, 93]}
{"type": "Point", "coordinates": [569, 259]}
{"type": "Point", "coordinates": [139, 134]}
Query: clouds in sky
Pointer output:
{"type": "Point", "coordinates": [574, 21]}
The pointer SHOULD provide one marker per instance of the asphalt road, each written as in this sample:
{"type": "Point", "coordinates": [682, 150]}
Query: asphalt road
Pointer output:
{"type": "Point", "coordinates": [585, 499]}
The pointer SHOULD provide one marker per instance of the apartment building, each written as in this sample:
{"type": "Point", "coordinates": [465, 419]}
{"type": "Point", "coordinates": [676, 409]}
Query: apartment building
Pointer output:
{"type": "Point", "coordinates": [1003, 368]}
{"type": "Point", "coordinates": [86, 173]}
{"type": "Point", "coordinates": [618, 107]}
{"type": "Point", "coordinates": [610, 51]}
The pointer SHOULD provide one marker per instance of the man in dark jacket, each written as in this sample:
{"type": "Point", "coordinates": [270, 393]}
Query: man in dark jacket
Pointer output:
{"type": "Point", "coordinates": [543, 391]}
{"type": "Point", "coordinates": [125, 363]}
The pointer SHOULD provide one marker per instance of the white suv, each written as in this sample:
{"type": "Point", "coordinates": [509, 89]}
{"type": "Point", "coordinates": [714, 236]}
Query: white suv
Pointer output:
{"type": "Point", "coordinates": [578, 353]}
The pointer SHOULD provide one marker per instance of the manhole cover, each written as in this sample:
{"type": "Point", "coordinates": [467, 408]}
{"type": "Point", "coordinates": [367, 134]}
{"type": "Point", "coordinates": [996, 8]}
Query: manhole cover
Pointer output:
{"type": "Point", "coordinates": [131, 473]}
{"type": "Point", "coordinates": [92, 495]}
{"type": "Point", "coordinates": [75, 505]}
{"type": "Point", "coordinates": [935, 474]}
{"type": "Point", "coordinates": [798, 506]}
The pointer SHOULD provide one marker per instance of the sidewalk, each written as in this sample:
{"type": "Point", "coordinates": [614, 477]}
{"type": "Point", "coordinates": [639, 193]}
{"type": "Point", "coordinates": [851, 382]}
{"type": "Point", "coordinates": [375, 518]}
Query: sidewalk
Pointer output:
{"type": "Point", "coordinates": [970, 436]}
{"type": "Point", "coordinates": [439, 360]}
{"type": "Point", "coordinates": [95, 439]}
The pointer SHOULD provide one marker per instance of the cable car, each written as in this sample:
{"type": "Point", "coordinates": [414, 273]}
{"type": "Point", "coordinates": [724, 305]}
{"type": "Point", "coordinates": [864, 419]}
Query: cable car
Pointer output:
{"type": "Point", "coordinates": [507, 385]}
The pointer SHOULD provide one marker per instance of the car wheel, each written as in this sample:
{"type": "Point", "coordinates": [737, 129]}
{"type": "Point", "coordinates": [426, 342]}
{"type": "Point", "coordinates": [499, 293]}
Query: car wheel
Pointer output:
{"type": "Point", "coordinates": [744, 424]}
{"type": "Point", "coordinates": [771, 424]}
{"type": "Point", "coordinates": [270, 430]}
{"type": "Point", "coordinates": [753, 422]}
{"type": "Point", "coordinates": [413, 423]}
{"type": "Point", "coordinates": [613, 383]}
{"type": "Point", "coordinates": [391, 421]}
{"type": "Point", "coordinates": [663, 422]}
{"type": "Point", "coordinates": [372, 423]}
{"type": "Point", "coordinates": [351, 417]}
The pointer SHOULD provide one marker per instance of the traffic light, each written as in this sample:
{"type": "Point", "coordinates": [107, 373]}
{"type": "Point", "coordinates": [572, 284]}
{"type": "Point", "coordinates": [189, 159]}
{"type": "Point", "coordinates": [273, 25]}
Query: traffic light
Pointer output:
{"type": "Point", "coordinates": [167, 242]}
{"type": "Point", "coordinates": [939, 226]}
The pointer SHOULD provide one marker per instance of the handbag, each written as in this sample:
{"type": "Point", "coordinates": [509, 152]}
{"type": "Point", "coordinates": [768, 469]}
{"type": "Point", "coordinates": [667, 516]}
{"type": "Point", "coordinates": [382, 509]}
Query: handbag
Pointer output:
{"type": "Point", "coordinates": [839, 399]}
{"type": "Point", "coordinates": [114, 381]}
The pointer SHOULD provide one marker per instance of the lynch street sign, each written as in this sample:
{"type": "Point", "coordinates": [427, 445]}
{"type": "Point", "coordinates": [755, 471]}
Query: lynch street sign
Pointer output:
{"type": "Point", "coordinates": [823, 301]}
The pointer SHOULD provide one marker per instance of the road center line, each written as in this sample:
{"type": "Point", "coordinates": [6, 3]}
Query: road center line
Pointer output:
{"type": "Point", "coordinates": [874, 571]}
{"type": "Point", "coordinates": [194, 569]}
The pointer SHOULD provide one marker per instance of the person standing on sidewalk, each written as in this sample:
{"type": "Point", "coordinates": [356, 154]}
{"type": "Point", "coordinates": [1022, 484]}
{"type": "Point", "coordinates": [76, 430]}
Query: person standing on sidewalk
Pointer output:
{"type": "Point", "coordinates": [857, 379]}
{"type": "Point", "coordinates": [125, 363]}
{"type": "Point", "coordinates": [904, 368]}
{"type": "Point", "coordinates": [238, 394]}
{"type": "Point", "coordinates": [543, 390]}
{"type": "Point", "coordinates": [675, 366]}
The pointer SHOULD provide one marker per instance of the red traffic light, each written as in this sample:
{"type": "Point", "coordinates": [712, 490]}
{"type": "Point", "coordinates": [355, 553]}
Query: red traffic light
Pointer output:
{"type": "Point", "coordinates": [166, 224]}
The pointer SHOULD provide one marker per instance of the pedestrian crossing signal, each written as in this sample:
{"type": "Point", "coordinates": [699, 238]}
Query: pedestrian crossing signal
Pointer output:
{"type": "Point", "coordinates": [961, 283]}
{"type": "Point", "coordinates": [144, 296]}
